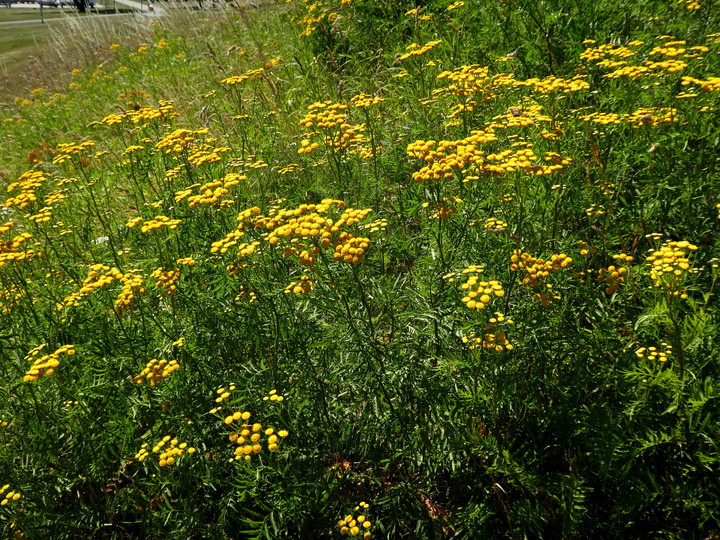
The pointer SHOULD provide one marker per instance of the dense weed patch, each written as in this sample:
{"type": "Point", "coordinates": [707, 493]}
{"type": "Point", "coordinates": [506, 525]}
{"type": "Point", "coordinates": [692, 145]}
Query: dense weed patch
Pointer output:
{"type": "Point", "coordinates": [367, 269]}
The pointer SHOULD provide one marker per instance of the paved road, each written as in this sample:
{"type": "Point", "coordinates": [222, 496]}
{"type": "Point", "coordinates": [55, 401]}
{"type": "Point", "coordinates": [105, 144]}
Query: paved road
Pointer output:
{"type": "Point", "coordinates": [142, 6]}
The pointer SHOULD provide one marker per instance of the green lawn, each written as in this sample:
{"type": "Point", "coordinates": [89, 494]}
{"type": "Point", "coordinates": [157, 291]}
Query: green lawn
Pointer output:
{"type": "Point", "coordinates": [30, 14]}
{"type": "Point", "coordinates": [18, 42]}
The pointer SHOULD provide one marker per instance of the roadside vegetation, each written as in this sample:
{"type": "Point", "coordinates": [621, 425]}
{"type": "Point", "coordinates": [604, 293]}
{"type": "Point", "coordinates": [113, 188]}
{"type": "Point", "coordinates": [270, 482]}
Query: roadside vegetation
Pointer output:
{"type": "Point", "coordinates": [30, 49]}
{"type": "Point", "coordinates": [365, 269]}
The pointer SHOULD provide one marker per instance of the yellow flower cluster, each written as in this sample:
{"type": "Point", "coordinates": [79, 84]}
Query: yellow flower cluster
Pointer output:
{"type": "Point", "coordinates": [156, 370]}
{"type": "Point", "coordinates": [131, 281]}
{"type": "Point", "coordinates": [444, 209]}
{"type": "Point", "coordinates": [602, 118]}
{"type": "Point", "coordinates": [668, 49]}
{"type": "Point", "coordinates": [307, 146]}
{"type": "Point", "coordinates": [554, 84]}
{"type": "Point", "coordinates": [66, 150]}
{"type": "Point", "coordinates": [494, 224]}
{"type": "Point", "coordinates": [479, 292]}
{"type": "Point", "coordinates": [329, 118]}
{"type": "Point", "coordinates": [520, 158]}
{"type": "Point", "coordinates": [251, 74]}
{"type": "Point", "coordinates": [381, 224]}
{"type": "Point", "coordinates": [350, 137]}
{"type": "Point", "coordinates": [45, 213]}
{"type": "Point", "coordinates": [537, 271]}
{"type": "Point", "coordinates": [21, 102]}
{"type": "Point", "coordinates": [235, 79]}
{"type": "Point", "coordinates": [474, 79]}
{"type": "Point", "coordinates": [324, 115]}
{"type": "Point", "coordinates": [316, 13]}
{"type": "Point", "coordinates": [354, 526]}
{"type": "Point", "coordinates": [511, 160]}
{"type": "Point", "coordinates": [206, 153]}
{"type": "Point", "coordinates": [613, 276]}
{"type": "Point", "coordinates": [632, 72]}
{"type": "Point", "coordinates": [364, 101]}
{"type": "Point", "coordinates": [211, 192]}
{"type": "Point", "coordinates": [301, 232]}
{"type": "Point", "coordinates": [173, 173]}
{"type": "Point", "coordinates": [155, 223]}
{"type": "Point", "coordinates": [246, 295]}
{"type": "Point", "coordinates": [248, 437]}
{"type": "Point", "coordinates": [164, 111]}
{"type": "Point", "coordinates": [350, 248]}
{"type": "Point", "coordinates": [285, 224]}
{"type": "Point", "coordinates": [297, 225]}
{"type": "Point", "coordinates": [44, 366]}
{"type": "Point", "coordinates": [10, 249]}
{"type": "Point", "coordinates": [537, 268]}
{"type": "Point", "coordinates": [132, 149]}
{"type": "Point", "coordinates": [166, 279]}
{"type": "Point", "coordinates": [246, 249]}
{"type": "Point", "coordinates": [8, 496]}
{"type": "Point", "coordinates": [607, 55]}
{"type": "Point", "coordinates": [670, 265]}
{"type": "Point", "coordinates": [594, 210]}
{"type": "Point", "coordinates": [304, 286]}
{"type": "Point", "coordinates": [671, 66]}
{"type": "Point", "coordinates": [712, 84]}
{"type": "Point", "coordinates": [467, 80]}
{"type": "Point", "coordinates": [169, 451]}
{"type": "Point", "coordinates": [445, 157]}
{"type": "Point", "coordinates": [652, 116]}
{"type": "Point", "coordinates": [27, 183]}
{"type": "Point", "coordinates": [416, 50]}
{"type": "Point", "coordinates": [287, 169]}
{"type": "Point", "coordinates": [274, 396]}
{"type": "Point", "coordinates": [9, 296]}
{"type": "Point", "coordinates": [528, 115]}
{"type": "Point", "coordinates": [100, 275]}
{"type": "Point", "coordinates": [473, 269]}
{"type": "Point", "coordinates": [593, 54]}
{"type": "Point", "coordinates": [231, 238]}
{"type": "Point", "coordinates": [611, 63]}
{"type": "Point", "coordinates": [494, 336]}
{"type": "Point", "coordinates": [464, 156]}
{"type": "Point", "coordinates": [586, 248]}
{"type": "Point", "coordinates": [223, 394]}
{"type": "Point", "coordinates": [178, 140]}
{"type": "Point", "coordinates": [689, 4]}
{"type": "Point", "coordinates": [653, 353]}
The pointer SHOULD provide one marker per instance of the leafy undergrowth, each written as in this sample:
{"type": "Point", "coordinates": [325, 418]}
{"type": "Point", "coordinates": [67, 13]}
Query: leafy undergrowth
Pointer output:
{"type": "Point", "coordinates": [367, 269]}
